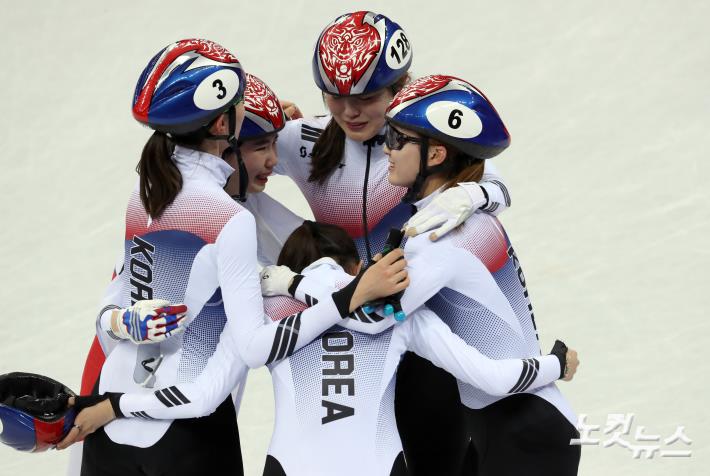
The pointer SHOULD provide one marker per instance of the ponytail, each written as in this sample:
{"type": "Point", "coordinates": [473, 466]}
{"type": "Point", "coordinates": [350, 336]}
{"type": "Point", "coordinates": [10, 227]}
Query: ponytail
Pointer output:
{"type": "Point", "coordinates": [327, 152]}
{"type": "Point", "coordinates": [160, 179]}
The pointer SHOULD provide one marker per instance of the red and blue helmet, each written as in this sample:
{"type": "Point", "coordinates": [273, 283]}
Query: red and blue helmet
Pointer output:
{"type": "Point", "coordinates": [452, 111]}
{"type": "Point", "coordinates": [33, 411]}
{"type": "Point", "coordinates": [359, 53]}
{"type": "Point", "coordinates": [262, 110]}
{"type": "Point", "coordinates": [187, 85]}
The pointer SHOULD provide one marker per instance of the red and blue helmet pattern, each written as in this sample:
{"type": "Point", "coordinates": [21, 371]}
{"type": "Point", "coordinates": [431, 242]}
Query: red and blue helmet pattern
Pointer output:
{"type": "Point", "coordinates": [262, 110]}
{"type": "Point", "coordinates": [186, 85]}
{"type": "Point", "coordinates": [30, 431]}
{"type": "Point", "coordinates": [359, 53]}
{"type": "Point", "coordinates": [453, 111]}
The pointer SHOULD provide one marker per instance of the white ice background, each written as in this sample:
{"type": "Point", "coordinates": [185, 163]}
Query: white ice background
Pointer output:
{"type": "Point", "coordinates": [608, 106]}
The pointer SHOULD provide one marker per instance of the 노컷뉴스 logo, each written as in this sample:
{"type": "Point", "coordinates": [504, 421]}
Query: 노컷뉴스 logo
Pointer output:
{"type": "Point", "coordinates": [641, 443]}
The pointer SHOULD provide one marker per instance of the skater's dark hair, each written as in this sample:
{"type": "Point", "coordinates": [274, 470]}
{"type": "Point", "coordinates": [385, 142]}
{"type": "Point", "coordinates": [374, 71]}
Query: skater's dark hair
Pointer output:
{"type": "Point", "coordinates": [312, 241]}
{"type": "Point", "coordinates": [330, 146]}
{"type": "Point", "coordinates": [160, 180]}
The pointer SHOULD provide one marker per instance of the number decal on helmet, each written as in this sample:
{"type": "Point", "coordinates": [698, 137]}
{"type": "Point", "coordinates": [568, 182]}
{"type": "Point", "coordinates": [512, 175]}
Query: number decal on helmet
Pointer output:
{"type": "Point", "coordinates": [217, 89]}
{"type": "Point", "coordinates": [454, 119]}
{"type": "Point", "coordinates": [398, 50]}
{"type": "Point", "coordinates": [217, 83]}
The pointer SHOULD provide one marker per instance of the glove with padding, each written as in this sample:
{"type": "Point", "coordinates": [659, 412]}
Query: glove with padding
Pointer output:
{"type": "Point", "coordinates": [448, 210]}
{"type": "Point", "coordinates": [276, 280]}
{"type": "Point", "coordinates": [149, 321]}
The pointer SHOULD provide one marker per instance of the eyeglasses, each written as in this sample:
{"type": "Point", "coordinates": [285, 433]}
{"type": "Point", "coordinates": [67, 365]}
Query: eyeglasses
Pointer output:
{"type": "Point", "coordinates": [395, 140]}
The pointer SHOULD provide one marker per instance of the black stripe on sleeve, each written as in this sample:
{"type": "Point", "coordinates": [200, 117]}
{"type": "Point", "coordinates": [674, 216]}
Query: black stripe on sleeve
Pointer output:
{"type": "Point", "coordinates": [142, 415]}
{"type": "Point", "coordinates": [275, 346]}
{"type": "Point", "coordinates": [294, 338]}
{"type": "Point", "coordinates": [504, 189]}
{"type": "Point", "coordinates": [491, 208]}
{"type": "Point", "coordinates": [309, 138]}
{"type": "Point", "coordinates": [288, 335]}
{"type": "Point", "coordinates": [311, 128]}
{"type": "Point", "coordinates": [376, 317]}
{"type": "Point", "coordinates": [529, 375]}
{"type": "Point", "coordinates": [168, 394]}
{"type": "Point", "coordinates": [520, 379]}
{"type": "Point", "coordinates": [284, 335]}
{"type": "Point", "coordinates": [162, 398]}
{"type": "Point", "coordinates": [310, 134]}
{"type": "Point", "coordinates": [533, 376]}
{"type": "Point", "coordinates": [523, 375]}
{"type": "Point", "coordinates": [179, 395]}
{"type": "Point", "coordinates": [362, 315]}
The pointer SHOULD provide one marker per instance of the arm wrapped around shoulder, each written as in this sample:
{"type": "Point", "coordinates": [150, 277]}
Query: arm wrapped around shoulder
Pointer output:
{"type": "Point", "coordinates": [448, 210]}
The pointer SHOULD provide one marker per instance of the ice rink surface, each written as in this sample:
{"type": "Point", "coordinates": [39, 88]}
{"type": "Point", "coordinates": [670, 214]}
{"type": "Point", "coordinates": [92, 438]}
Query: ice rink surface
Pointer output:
{"type": "Point", "coordinates": [608, 108]}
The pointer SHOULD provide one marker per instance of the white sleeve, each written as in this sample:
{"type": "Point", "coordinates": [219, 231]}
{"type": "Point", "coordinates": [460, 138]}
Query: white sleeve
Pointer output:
{"type": "Point", "coordinates": [274, 224]}
{"type": "Point", "coordinates": [112, 299]}
{"type": "Point", "coordinates": [432, 339]}
{"type": "Point", "coordinates": [288, 147]}
{"type": "Point", "coordinates": [431, 267]}
{"type": "Point", "coordinates": [259, 340]}
{"type": "Point", "coordinates": [310, 291]}
{"type": "Point", "coordinates": [498, 195]}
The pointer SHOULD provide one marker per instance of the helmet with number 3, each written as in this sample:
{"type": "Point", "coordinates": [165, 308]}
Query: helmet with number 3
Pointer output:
{"type": "Point", "coordinates": [359, 53]}
{"type": "Point", "coordinates": [33, 411]}
{"type": "Point", "coordinates": [187, 85]}
{"type": "Point", "coordinates": [262, 110]}
{"type": "Point", "coordinates": [452, 111]}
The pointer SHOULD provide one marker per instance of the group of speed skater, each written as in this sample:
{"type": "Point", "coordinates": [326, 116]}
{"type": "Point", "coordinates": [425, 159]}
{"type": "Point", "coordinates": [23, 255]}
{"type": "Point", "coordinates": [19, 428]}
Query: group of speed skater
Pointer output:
{"type": "Point", "coordinates": [422, 360]}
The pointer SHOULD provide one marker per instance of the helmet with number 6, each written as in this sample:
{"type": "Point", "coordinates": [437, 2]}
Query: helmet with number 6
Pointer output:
{"type": "Point", "coordinates": [452, 111]}
{"type": "Point", "coordinates": [187, 85]}
{"type": "Point", "coordinates": [33, 411]}
{"type": "Point", "coordinates": [359, 53]}
{"type": "Point", "coordinates": [262, 110]}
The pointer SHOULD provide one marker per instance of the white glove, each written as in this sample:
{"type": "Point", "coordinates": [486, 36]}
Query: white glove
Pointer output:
{"type": "Point", "coordinates": [148, 321]}
{"type": "Point", "coordinates": [448, 210]}
{"type": "Point", "coordinates": [275, 280]}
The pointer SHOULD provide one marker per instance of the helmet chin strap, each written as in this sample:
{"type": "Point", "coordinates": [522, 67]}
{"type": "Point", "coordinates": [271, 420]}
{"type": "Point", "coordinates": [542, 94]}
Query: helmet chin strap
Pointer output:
{"type": "Point", "coordinates": [425, 172]}
{"type": "Point", "coordinates": [234, 147]}
{"type": "Point", "coordinates": [243, 176]}
{"type": "Point", "coordinates": [416, 188]}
